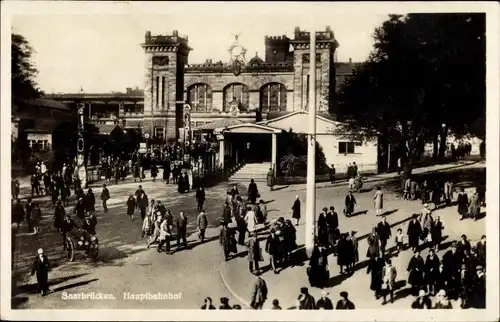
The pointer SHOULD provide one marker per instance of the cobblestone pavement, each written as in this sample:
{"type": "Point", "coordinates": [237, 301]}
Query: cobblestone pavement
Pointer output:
{"type": "Point", "coordinates": [286, 285]}
{"type": "Point", "coordinates": [126, 265]}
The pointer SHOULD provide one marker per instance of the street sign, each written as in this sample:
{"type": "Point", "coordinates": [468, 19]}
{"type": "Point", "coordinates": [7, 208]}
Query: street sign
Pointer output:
{"type": "Point", "coordinates": [146, 136]}
{"type": "Point", "coordinates": [142, 148]}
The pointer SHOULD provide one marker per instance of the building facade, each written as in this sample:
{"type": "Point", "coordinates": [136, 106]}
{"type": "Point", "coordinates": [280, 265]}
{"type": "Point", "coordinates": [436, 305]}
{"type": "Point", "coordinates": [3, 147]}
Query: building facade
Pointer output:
{"type": "Point", "coordinates": [238, 88]}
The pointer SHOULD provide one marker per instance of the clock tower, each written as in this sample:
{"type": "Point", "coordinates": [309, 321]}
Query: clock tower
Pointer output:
{"type": "Point", "coordinates": [166, 56]}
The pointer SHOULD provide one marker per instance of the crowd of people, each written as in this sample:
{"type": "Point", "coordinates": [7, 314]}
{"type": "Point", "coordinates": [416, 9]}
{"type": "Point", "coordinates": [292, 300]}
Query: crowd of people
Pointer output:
{"type": "Point", "coordinates": [459, 274]}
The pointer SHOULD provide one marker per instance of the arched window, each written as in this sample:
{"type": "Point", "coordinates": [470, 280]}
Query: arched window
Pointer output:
{"type": "Point", "coordinates": [273, 97]}
{"type": "Point", "coordinates": [236, 92]}
{"type": "Point", "coordinates": [199, 96]}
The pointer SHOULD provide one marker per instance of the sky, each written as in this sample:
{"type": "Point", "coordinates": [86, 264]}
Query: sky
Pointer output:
{"type": "Point", "coordinates": [100, 51]}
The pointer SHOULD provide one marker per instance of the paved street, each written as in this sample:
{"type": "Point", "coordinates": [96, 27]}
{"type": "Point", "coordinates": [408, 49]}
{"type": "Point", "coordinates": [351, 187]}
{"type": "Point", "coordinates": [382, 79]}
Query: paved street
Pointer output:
{"type": "Point", "coordinates": [125, 265]}
{"type": "Point", "coordinates": [286, 286]}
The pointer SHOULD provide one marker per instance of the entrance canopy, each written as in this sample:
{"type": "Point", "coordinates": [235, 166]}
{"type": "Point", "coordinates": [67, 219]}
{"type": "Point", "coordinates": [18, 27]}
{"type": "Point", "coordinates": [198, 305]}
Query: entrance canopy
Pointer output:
{"type": "Point", "coordinates": [248, 128]}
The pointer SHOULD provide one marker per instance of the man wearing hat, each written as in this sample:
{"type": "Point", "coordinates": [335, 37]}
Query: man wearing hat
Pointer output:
{"type": "Point", "coordinates": [41, 267]}
{"type": "Point", "coordinates": [259, 293]}
{"type": "Point", "coordinates": [306, 300]}
{"type": "Point", "coordinates": [79, 210]}
{"type": "Point", "coordinates": [344, 303]}
{"type": "Point", "coordinates": [422, 301]}
{"type": "Point", "coordinates": [224, 301]}
{"type": "Point", "coordinates": [324, 302]}
{"type": "Point", "coordinates": [452, 260]}
{"type": "Point", "coordinates": [479, 289]}
{"type": "Point", "coordinates": [414, 231]}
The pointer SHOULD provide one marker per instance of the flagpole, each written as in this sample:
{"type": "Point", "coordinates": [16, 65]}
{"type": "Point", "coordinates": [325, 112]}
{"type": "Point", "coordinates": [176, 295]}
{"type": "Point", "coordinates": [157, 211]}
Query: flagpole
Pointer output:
{"type": "Point", "coordinates": [311, 151]}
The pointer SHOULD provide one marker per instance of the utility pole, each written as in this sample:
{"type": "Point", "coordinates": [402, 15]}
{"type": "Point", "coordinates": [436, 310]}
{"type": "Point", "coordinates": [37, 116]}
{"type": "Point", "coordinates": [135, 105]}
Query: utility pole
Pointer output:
{"type": "Point", "coordinates": [311, 152]}
{"type": "Point", "coordinates": [80, 169]}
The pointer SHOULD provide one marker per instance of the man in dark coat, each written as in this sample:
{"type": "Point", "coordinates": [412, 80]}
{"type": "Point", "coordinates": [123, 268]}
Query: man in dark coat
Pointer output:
{"type": "Point", "coordinates": [306, 300]}
{"type": "Point", "coordinates": [375, 267]}
{"type": "Point", "coordinates": [462, 204]}
{"type": "Point", "coordinates": [79, 210]}
{"type": "Point", "coordinates": [154, 172]}
{"type": "Point", "coordinates": [332, 223]}
{"type": "Point", "coordinates": [344, 303]}
{"type": "Point", "coordinates": [384, 232]}
{"type": "Point", "coordinates": [252, 192]}
{"type": "Point", "coordinates": [234, 192]}
{"type": "Point", "coordinates": [478, 295]}
{"type": "Point", "coordinates": [324, 302]}
{"type": "Point", "coordinates": [105, 197]}
{"type": "Point", "coordinates": [182, 230]}
{"type": "Point", "coordinates": [29, 209]}
{"type": "Point", "coordinates": [41, 267]}
{"type": "Point", "coordinates": [431, 272]}
{"type": "Point", "coordinates": [344, 253]}
{"type": "Point", "coordinates": [200, 198]}
{"type": "Point", "coordinates": [481, 250]}
{"type": "Point", "coordinates": [416, 268]}
{"type": "Point", "coordinates": [296, 210]}
{"type": "Point", "coordinates": [89, 202]}
{"type": "Point", "coordinates": [452, 260]}
{"type": "Point", "coordinates": [138, 194]}
{"type": "Point", "coordinates": [437, 233]}
{"type": "Point", "coordinates": [422, 302]}
{"type": "Point", "coordinates": [414, 232]}
{"type": "Point", "coordinates": [17, 212]}
{"type": "Point", "coordinates": [323, 228]}
{"type": "Point", "coordinates": [332, 174]}
{"type": "Point", "coordinates": [318, 264]}
{"type": "Point", "coordinates": [350, 201]}
{"type": "Point", "coordinates": [59, 215]}
{"type": "Point", "coordinates": [166, 170]}
{"type": "Point", "coordinates": [226, 214]}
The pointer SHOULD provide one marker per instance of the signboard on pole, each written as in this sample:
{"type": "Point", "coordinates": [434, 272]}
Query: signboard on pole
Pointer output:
{"type": "Point", "coordinates": [143, 148]}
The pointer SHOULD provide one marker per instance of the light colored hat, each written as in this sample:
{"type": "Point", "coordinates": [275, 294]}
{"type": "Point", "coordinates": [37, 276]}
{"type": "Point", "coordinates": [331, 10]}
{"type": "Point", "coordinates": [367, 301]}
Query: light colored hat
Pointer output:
{"type": "Point", "coordinates": [426, 205]}
{"type": "Point", "coordinates": [296, 196]}
{"type": "Point", "coordinates": [442, 293]}
{"type": "Point", "coordinates": [324, 293]}
{"type": "Point", "coordinates": [40, 251]}
{"type": "Point", "coordinates": [421, 293]}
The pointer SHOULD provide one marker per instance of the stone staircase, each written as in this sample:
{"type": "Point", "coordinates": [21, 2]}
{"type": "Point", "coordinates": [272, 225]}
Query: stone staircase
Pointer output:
{"type": "Point", "coordinates": [256, 171]}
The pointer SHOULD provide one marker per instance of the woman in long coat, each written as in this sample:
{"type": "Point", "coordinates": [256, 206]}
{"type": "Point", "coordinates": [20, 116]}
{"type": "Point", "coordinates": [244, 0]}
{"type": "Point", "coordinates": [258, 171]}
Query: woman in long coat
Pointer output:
{"type": "Point", "coordinates": [318, 267]}
{"type": "Point", "coordinates": [474, 205]}
{"type": "Point", "coordinates": [414, 232]}
{"type": "Point", "coordinates": [373, 244]}
{"type": "Point", "coordinates": [437, 233]}
{"type": "Point", "coordinates": [462, 203]}
{"type": "Point", "coordinates": [416, 268]}
{"type": "Point", "coordinates": [344, 253]}
{"type": "Point", "coordinates": [378, 200]}
{"type": "Point", "coordinates": [296, 210]}
{"type": "Point", "coordinates": [271, 180]}
{"type": "Point", "coordinates": [375, 267]}
{"type": "Point", "coordinates": [253, 192]}
{"type": "Point", "coordinates": [323, 228]}
{"type": "Point", "coordinates": [355, 252]}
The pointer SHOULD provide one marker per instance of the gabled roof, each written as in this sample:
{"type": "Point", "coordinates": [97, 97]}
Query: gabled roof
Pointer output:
{"type": "Point", "coordinates": [322, 116]}
{"type": "Point", "coordinates": [259, 127]}
{"type": "Point", "coordinates": [219, 124]}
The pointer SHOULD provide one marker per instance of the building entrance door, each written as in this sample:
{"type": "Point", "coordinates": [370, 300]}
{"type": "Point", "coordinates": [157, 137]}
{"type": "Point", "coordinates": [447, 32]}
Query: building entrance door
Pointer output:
{"type": "Point", "coordinates": [255, 148]}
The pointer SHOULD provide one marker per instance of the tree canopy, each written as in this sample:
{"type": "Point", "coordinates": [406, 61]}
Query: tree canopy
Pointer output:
{"type": "Point", "coordinates": [23, 71]}
{"type": "Point", "coordinates": [425, 77]}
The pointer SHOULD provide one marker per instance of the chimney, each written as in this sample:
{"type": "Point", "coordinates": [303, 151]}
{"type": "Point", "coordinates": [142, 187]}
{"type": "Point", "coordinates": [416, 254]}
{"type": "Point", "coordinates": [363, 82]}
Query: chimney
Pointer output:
{"type": "Point", "coordinates": [209, 61]}
{"type": "Point", "coordinates": [350, 60]}
{"type": "Point", "coordinates": [148, 34]}
{"type": "Point", "coordinates": [129, 89]}
{"type": "Point", "coordinates": [175, 33]}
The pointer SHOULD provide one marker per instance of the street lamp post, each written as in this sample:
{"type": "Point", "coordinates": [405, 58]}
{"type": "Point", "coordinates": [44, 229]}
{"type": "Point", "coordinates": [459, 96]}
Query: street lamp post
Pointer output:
{"type": "Point", "coordinates": [81, 170]}
{"type": "Point", "coordinates": [311, 152]}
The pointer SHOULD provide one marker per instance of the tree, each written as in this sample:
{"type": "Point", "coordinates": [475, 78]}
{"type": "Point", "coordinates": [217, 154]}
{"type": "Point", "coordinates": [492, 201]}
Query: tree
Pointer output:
{"type": "Point", "coordinates": [23, 71]}
{"type": "Point", "coordinates": [424, 78]}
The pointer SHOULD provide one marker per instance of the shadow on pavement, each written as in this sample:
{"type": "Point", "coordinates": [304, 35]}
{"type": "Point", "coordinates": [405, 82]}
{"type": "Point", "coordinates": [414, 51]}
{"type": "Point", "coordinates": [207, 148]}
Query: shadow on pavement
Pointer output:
{"type": "Point", "coordinates": [66, 287]}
